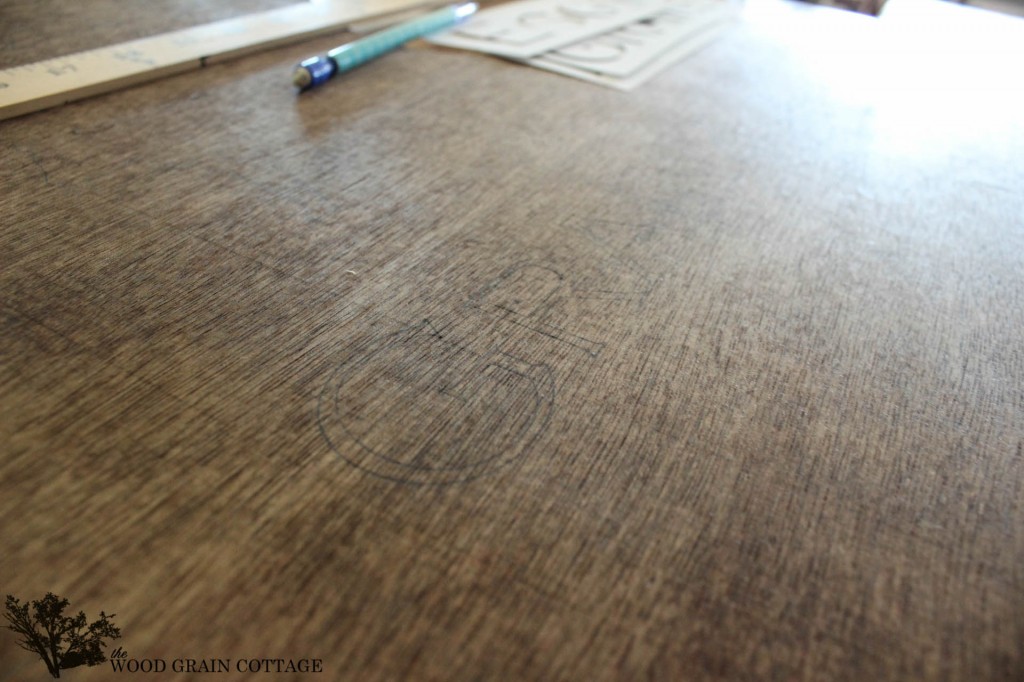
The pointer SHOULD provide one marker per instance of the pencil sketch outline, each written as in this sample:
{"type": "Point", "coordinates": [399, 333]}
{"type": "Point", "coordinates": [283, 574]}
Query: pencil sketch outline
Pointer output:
{"type": "Point", "coordinates": [445, 416]}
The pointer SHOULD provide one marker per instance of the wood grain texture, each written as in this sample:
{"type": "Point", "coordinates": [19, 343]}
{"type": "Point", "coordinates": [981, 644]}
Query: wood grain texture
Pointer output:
{"type": "Point", "coordinates": [456, 370]}
{"type": "Point", "coordinates": [35, 30]}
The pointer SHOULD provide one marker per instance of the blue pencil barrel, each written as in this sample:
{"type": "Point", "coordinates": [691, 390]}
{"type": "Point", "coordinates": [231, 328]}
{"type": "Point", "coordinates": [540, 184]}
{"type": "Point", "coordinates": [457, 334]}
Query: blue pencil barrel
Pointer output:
{"type": "Point", "coordinates": [320, 70]}
{"type": "Point", "coordinates": [316, 70]}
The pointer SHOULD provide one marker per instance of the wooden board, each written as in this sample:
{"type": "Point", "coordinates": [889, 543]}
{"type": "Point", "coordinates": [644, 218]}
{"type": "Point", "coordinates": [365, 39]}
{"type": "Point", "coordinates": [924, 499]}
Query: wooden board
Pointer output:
{"type": "Point", "coordinates": [457, 370]}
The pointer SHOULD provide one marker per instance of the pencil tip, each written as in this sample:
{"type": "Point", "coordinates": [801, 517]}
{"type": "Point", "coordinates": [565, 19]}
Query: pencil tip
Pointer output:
{"type": "Point", "coordinates": [302, 78]}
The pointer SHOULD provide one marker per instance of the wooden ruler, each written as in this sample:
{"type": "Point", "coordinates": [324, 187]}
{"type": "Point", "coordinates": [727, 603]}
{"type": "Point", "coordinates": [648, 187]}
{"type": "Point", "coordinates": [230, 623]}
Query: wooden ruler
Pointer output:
{"type": "Point", "coordinates": [49, 83]}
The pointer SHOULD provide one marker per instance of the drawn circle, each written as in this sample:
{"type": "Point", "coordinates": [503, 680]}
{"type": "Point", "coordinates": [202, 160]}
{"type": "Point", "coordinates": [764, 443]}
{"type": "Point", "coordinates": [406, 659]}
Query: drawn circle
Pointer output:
{"type": "Point", "coordinates": [419, 407]}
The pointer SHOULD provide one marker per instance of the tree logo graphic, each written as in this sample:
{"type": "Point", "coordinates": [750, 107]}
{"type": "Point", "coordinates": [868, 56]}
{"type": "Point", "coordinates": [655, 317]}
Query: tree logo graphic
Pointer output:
{"type": "Point", "coordinates": [61, 641]}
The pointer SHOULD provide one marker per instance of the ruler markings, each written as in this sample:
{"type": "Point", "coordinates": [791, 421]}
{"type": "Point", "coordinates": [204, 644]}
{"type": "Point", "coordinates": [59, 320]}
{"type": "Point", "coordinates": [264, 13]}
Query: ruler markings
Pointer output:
{"type": "Point", "coordinates": [51, 82]}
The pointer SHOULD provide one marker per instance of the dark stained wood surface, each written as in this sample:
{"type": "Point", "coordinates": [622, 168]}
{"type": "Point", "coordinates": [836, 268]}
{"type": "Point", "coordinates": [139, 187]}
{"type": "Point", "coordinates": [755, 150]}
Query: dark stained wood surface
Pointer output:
{"type": "Point", "coordinates": [34, 30]}
{"type": "Point", "coordinates": [456, 370]}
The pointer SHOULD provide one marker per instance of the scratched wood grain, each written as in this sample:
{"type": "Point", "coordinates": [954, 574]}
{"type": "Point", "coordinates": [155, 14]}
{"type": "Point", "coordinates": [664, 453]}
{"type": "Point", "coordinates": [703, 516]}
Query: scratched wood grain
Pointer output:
{"type": "Point", "coordinates": [455, 370]}
{"type": "Point", "coordinates": [33, 30]}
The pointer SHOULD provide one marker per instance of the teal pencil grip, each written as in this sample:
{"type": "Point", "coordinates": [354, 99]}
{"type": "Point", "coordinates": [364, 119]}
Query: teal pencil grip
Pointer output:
{"type": "Point", "coordinates": [353, 54]}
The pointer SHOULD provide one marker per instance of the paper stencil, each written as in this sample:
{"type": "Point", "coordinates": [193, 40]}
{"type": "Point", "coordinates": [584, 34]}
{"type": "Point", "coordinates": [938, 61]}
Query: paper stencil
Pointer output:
{"type": "Point", "coordinates": [528, 28]}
